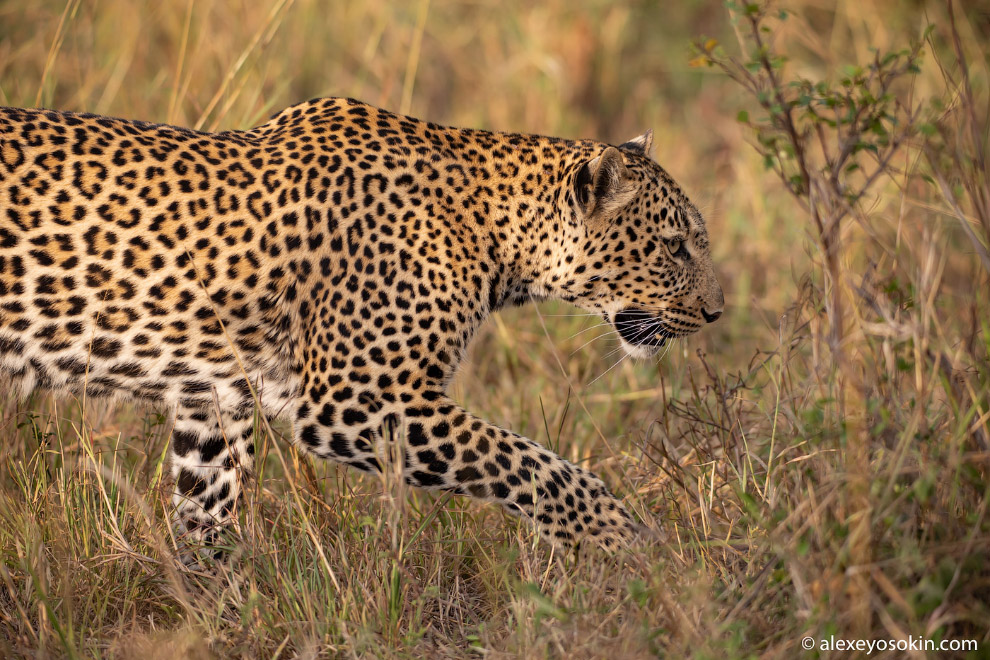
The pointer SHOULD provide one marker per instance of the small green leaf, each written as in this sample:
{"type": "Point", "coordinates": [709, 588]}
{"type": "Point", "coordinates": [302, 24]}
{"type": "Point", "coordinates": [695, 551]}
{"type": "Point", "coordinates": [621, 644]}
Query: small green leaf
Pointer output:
{"type": "Point", "coordinates": [639, 592]}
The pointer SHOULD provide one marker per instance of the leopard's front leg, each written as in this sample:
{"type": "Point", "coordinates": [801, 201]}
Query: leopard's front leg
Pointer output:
{"type": "Point", "coordinates": [450, 449]}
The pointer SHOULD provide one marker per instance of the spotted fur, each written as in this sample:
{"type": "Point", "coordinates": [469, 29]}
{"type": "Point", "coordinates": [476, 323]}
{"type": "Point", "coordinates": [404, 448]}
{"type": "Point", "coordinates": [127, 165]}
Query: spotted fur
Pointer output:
{"type": "Point", "coordinates": [332, 265]}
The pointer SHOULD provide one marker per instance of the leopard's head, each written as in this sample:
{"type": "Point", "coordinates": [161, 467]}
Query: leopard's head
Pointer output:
{"type": "Point", "coordinates": [641, 259]}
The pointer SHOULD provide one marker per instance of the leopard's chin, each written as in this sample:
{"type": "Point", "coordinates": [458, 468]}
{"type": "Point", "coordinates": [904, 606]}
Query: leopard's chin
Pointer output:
{"type": "Point", "coordinates": [643, 351]}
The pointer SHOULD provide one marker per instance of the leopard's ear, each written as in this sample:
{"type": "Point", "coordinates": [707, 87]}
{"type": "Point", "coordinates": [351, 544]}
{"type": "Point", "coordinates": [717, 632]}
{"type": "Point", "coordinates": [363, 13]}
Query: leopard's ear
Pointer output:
{"type": "Point", "coordinates": [641, 145]}
{"type": "Point", "coordinates": [603, 186]}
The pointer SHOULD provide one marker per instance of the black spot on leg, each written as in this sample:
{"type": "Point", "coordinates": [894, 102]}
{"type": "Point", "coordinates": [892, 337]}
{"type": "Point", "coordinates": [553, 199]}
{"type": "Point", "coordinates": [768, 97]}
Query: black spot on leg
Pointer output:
{"type": "Point", "coordinates": [211, 448]}
{"type": "Point", "coordinates": [340, 445]}
{"type": "Point", "coordinates": [326, 415]}
{"type": "Point", "coordinates": [415, 436]}
{"type": "Point", "coordinates": [552, 487]}
{"type": "Point", "coordinates": [426, 479]}
{"type": "Point", "coordinates": [189, 484]}
{"type": "Point", "coordinates": [310, 436]}
{"type": "Point", "coordinates": [352, 417]}
{"type": "Point", "coordinates": [467, 474]}
{"type": "Point", "coordinates": [500, 490]}
{"type": "Point", "coordinates": [183, 442]}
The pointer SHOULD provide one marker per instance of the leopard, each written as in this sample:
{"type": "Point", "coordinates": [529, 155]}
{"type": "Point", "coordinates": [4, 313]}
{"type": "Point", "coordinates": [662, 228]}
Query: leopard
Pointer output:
{"type": "Point", "coordinates": [330, 268]}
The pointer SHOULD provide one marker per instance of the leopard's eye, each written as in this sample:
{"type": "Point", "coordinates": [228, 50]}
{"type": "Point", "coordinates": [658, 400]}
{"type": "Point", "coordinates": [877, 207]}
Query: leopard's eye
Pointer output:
{"type": "Point", "coordinates": [676, 248]}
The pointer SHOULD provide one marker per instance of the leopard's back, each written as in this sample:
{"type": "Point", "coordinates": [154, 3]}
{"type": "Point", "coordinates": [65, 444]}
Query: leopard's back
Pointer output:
{"type": "Point", "coordinates": [134, 260]}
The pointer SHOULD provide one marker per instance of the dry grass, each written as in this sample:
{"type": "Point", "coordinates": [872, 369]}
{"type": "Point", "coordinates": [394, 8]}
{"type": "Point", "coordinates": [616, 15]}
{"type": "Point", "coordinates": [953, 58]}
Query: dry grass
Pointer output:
{"type": "Point", "coordinates": [735, 449]}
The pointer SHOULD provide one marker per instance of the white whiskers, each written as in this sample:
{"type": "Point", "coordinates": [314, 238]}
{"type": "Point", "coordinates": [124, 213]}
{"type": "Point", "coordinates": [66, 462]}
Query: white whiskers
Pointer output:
{"type": "Point", "coordinates": [617, 363]}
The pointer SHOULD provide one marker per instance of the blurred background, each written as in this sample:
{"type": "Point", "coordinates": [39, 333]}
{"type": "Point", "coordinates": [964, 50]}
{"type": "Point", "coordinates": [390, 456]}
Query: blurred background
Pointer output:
{"type": "Point", "coordinates": [731, 448]}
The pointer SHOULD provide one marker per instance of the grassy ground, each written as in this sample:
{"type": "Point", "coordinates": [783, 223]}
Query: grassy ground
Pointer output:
{"type": "Point", "coordinates": [800, 485]}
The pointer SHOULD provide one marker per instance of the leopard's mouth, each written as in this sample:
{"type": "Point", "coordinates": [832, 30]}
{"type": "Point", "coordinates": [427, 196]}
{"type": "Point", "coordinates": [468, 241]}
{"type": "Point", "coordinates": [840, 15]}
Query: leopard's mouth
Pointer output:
{"type": "Point", "coordinates": [641, 329]}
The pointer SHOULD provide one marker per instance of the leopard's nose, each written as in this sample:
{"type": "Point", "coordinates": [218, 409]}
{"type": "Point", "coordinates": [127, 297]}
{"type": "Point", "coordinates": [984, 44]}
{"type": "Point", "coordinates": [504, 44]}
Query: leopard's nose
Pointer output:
{"type": "Point", "coordinates": [712, 301]}
{"type": "Point", "coordinates": [711, 317]}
